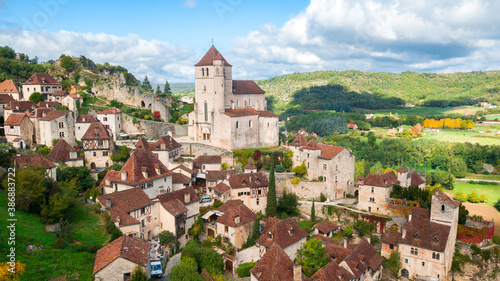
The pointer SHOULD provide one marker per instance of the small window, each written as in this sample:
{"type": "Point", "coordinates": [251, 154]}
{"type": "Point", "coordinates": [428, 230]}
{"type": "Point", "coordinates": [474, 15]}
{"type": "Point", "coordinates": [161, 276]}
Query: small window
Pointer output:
{"type": "Point", "coordinates": [423, 263]}
{"type": "Point", "coordinates": [257, 201]}
{"type": "Point", "coordinates": [406, 260]}
{"type": "Point", "coordinates": [325, 166]}
{"type": "Point", "coordinates": [61, 125]}
{"type": "Point", "coordinates": [143, 211]}
{"type": "Point", "coordinates": [127, 277]}
{"type": "Point", "coordinates": [391, 247]}
{"type": "Point", "coordinates": [373, 189]}
{"type": "Point", "coordinates": [442, 208]}
{"type": "Point", "coordinates": [105, 153]}
{"type": "Point", "coordinates": [226, 228]}
{"type": "Point", "coordinates": [105, 119]}
{"type": "Point", "coordinates": [143, 223]}
{"type": "Point", "coordinates": [95, 153]}
{"type": "Point", "coordinates": [237, 124]}
{"type": "Point", "coordinates": [61, 134]}
{"type": "Point", "coordinates": [250, 123]}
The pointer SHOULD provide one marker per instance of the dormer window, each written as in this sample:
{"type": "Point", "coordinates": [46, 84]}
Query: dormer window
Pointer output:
{"type": "Point", "coordinates": [435, 240]}
{"type": "Point", "coordinates": [416, 236]}
{"type": "Point", "coordinates": [270, 235]}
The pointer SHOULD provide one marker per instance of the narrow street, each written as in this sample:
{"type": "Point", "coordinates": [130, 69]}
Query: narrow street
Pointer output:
{"type": "Point", "coordinates": [174, 260]}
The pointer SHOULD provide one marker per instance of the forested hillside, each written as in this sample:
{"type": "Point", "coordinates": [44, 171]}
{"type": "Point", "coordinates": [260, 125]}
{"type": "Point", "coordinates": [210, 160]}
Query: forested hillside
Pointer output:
{"type": "Point", "coordinates": [18, 67]}
{"type": "Point", "coordinates": [377, 90]}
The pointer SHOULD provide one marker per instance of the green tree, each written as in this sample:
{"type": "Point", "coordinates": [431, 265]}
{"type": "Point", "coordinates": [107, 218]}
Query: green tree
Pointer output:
{"type": "Point", "coordinates": [146, 85]}
{"type": "Point", "coordinates": [300, 170]}
{"type": "Point", "coordinates": [483, 197]}
{"type": "Point", "coordinates": [166, 89]}
{"type": "Point", "coordinates": [82, 174]}
{"type": "Point", "coordinates": [210, 260]}
{"type": "Point", "coordinates": [31, 188]}
{"type": "Point", "coordinates": [254, 236]}
{"type": "Point", "coordinates": [363, 227]}
{"type": "Point", "coordinates": [67, 62]}
{"type": "Point", "coordinates": [497, 205]}
{"type": "Point", "coordinates": [458, 167]}
{"type": "Point", "coordinates": [473, 197]}
{"type": "Point", "coordinates": [460, 196]}
{"type": "Point", "coordinates": [377, 168]}
{"type": "Point", "coordinates": [166, 237]}
{"type": "Point", "coordinates": [288, 203]}
{"type": "Point", "coordinates": [348, 232]}
{"type": "Point", "coordinates": [139, 274]}
{"type": "Point", "coordinates": [364, 126]}
{"type": "Point", "coordinates": [462, 214]}
{"type": "Point", "coordinates": [372, 140]}
{"type": "Point", "coordinates": [196, 229]}
{"type": "Point", "coordinates": [36, 97]}
{"type": "Point", "coordinates": [271, 208]}
{"type": "Point", "coordinates": [312, 256]}
{"type": "Point", "coordinates": [58, 209]}
{"type": "Point", "coordinates": [359, 169]}
{"type": "Point", "coordinates": [158, 91]}
{"type": "Point", "coordinates": [313, 212]}
{"type": "Point", "coordinates": [393, 263]}
{"type": "Point", "coordinates": [185, 271]}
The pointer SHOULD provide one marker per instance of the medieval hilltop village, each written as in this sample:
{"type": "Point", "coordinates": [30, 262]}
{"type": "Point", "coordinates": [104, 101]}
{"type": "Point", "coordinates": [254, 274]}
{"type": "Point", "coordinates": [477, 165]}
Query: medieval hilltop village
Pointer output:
{"type": "Point", "coordinates": [192, 201]}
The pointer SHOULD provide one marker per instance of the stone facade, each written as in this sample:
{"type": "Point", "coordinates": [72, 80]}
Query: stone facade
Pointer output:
{"type": "Point", "coordinates": [42, 83]}
{"type": "Point", "coordinates": [111, 120]}
{"type": "Point", "coordinates": [374, 192]}
{"type": "Point", "coordinates": [228, 113]}
{"type": "Point", "coordinates": [19, 126]}
{"type": "Point", "coordinates": [118, 269]}
{"type": "Point", "coordinates": [98, 146]}
{"type": "Point", "coordinates": [57, 125]}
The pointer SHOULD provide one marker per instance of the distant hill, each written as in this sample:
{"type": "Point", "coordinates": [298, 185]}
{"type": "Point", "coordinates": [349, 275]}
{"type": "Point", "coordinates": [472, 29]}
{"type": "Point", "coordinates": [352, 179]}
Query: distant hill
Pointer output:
{"type": "Point", "coordinates": [181, 87]}
{"type": "Point", "coordinates": [375, 90]}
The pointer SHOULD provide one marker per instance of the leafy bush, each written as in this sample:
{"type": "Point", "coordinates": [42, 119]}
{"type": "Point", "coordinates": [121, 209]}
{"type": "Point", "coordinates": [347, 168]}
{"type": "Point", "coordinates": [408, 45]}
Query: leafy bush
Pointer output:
{"type": "Point", "coordinates": [166, 237]}
{"type": "Point", "coordinates": [243, 269]}
{"type": "Point", "coordinates": [363, 227]}
{"type": "Point", "coordinates": [322, 197]}
{"type": "Point", "coordinates": [460, 196]}
{"type": "Point", "coordinates": [393, 263]}
{"type": "Point", "coordinates": [348, 232]}
{"type": "Point", "coordinates": [473, 197]}
{"type": "Point", "coordinates": [279, 169]}
{"type": "Point", "coordinates": [497, 205]}
{"type": "Point", "coordinates": [295, 181]}
{"type": "Point", "coordinates": [300, 170]}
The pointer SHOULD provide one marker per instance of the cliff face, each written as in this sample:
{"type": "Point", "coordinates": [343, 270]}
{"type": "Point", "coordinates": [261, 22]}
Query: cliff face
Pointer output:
{"type": "Point", "coordinates": [476, 264]}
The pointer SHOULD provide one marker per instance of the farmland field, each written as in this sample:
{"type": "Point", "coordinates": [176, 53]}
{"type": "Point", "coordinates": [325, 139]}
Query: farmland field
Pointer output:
{"type": "Point", "coordinates": [493, 191]}
{"type": "Point", "coordinates": [492, 117]}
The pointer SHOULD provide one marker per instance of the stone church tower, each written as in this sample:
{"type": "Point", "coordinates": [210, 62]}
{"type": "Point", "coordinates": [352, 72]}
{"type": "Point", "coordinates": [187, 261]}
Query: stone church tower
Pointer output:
{"type": "Point", "coordinates": [229, 114]}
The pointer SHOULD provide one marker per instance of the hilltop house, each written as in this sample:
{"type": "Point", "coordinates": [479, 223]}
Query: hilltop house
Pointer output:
{"type": "Point", "coordinates": [18, 126]}
{"type": "Point", "coordinates": [204, 163]}
{"type": "Point", "coordinates": [57, 124]}
{"type": "Point", "coordinates": [236, 224]}
{"type": "Point", "coordinates": [142, 170]}
{"type": "Point", "coordinates": [118, 259]}
{"type": "Point", "coordinates": [111, 119]}
{"type": "Point", "coordinates": [415, 178]}
{"type": "Point", "coordinates": [276, 265]}
{"type": "Point", "coordinates": [71, 101]}
{"type": "Point", "coordinates": [9, 88]}
{"type": "Point", "coordinates": [82, 124]}
{"type": "Point", "coordinates": [62, 152]}
{"type": "Point", "coordinates": [286, 233]}
{"type": "Point", "coordinates": [165, 148]}
{"type": "Point", "coordinates": [36, 160]}
{"type": "Point", "coordinates": [42, 83]}
{"type": "Point", "coordinates": [426, 242]}
{"type": "Point", "coordinates": [17, 107]}
{"type": "Point", "coordinates": [332, 164]}
{"type": "Point", "coordinates": [35, 116]}
{"type": "Point", "coordinates": [375, 190]}
{"type": "Point", "coordinates": [229, 113]}
{"type": "Point", "coordinates": [97, 146]}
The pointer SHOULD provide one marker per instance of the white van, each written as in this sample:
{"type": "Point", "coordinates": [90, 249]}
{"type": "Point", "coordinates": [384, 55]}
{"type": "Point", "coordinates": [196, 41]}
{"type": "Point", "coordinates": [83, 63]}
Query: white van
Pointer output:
{"type": "Point", "coordinates": [205, 198]}
{"type": "Point", "coordinates": [156, 270]}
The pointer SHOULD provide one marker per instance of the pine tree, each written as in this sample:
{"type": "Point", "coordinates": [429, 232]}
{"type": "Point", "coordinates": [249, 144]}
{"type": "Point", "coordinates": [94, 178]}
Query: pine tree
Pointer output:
{"type": "Point", "coordinates": [166, 89]}
{"type": "Point", "coordinates": [313, 212]}
{"type": "Point", "coordinates": [158, 91]}
{"type": "Point", "coordinates": [146, 85]}
{"type": "Point", "coordinates": [271, 207]}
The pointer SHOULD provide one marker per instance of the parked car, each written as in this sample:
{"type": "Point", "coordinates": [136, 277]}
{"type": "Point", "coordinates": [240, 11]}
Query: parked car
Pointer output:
{"type": "Point", "coordinates": [205, 198]}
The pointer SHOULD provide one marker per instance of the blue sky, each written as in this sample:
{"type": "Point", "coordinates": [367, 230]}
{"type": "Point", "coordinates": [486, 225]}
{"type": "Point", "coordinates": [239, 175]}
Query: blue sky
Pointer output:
{"type": "Point", "coordinates": [163, 39]}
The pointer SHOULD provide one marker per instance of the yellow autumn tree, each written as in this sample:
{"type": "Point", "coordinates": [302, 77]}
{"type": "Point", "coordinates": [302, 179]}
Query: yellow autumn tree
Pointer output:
{"type": "Point", "coordinates": [5, 274]}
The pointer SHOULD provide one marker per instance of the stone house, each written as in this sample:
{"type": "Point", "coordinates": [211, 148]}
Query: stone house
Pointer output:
{"type": "Point", "coordinates": [352, 126]}
{"type": "Point", "coordinates": [234, 118]}
{"type": "Point", "coordinates": [213, 178]}
{"type": "Point", "coordinates": [36, 160]}
{"type": "Point", "coordinates": [251, 188]}
{"type": "Point", "coordinates": [413, 178]}
{"type": "Point", "coordinates": [133, 212]}
{"type": "Point", "coordinates": [276, 265]}
{"type": "Point", "coordinates": [332, 164]}
{"type": "Point", "coordinates": [118, 259]}
{"type": "Point", "coordinates": [42, 83]}
{"type": "Point", "coordinates": [62, 152]}
{"type": "Point", "coordinates": [374, 192]}
{"type": "Point", "coordinates": [222, 192]}
{"type": "Point", "coordinates": [98, 145]}
{"type": "Point", "coordinates": [9, 88]}
{"type": "Point", "coordinates": [332, 272]}
{"type": "Point", "coordinates": [4, 101]}
{"type": "Point", "coordinates": [111, 119]}
{"type": "Point", "coordinates": [35, 116]}
{"type": "Point", "coordinates": [17, 107]}
{"type": "Point", "coordinates": [82, 124]}
{"type": "Point", "coordinates": [363, 262]}
{"type": "Point", "coordinates": [57, 124]}
{"type": "Point", "coordinates": [71, 101]}
{"type": "Point", "coordinates": [427, 240]}
{"type": "Point", "coordinates": [58, 96]}
{"type": "Point", "coordinates": [165, 148]}
{"type": "Point", "coordinates": [18, 125]}
{"type": "Point", "coordinates": [204, 163]}
{"type": "Point", "coordinates": [236, 224]}
{"type": "Point", "coordinates": [142, 170]}
{"type": "Point", "coordinates": [326, 228]}
{"type": "Point", "coordinates": [180, 181]}
{"type": "Point", "coordinates": [173, 217]}
{"type": "Point", "coordinates": [286, 233]}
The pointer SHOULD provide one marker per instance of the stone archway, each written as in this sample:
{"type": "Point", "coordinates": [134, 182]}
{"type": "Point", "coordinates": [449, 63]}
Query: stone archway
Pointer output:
{"type": "Point", "coordinates": [405, 273]}
{"type": "Point", "coordinates": [143, 104]}
{"type": "Point", "coordinates": [92, 166]}
{"type": "Point", "coordinates": [205, 133]}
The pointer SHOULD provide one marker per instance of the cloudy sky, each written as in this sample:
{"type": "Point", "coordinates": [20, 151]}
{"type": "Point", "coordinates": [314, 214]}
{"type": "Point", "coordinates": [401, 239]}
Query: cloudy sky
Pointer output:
{"type": "Point", "coordinates": [165, 38]}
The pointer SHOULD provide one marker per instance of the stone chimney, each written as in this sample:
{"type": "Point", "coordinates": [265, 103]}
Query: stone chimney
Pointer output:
{"type": "Point", "coordinates": [108, 203]}
{"type": "Point", "coordinates": [145, 172]}
{"type": "Point", "coordinates": [237, 220]}
{"type": "Point", "coordinates": [187, 197]}
{"type": "Point", "coordinates": [345, 243]}
{"type": "Point", "coordinates": [124, 175]}
{"type": "Point", "coordinates": [403, 234]}
{"type": "Point", "coordinates": [118, 219]}
{"type": "Point", "coordinates": [297, 272]}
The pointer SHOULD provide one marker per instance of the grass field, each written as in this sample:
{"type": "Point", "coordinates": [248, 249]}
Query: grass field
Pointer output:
{"type": "Point", "coordinates": [49, 262]}
{"type": "Point", "coordinates": [493, 191]}
{"type": "Point", "coordinates": [417, 110]}
{"type": "Point", "coordinates": [492, 117]}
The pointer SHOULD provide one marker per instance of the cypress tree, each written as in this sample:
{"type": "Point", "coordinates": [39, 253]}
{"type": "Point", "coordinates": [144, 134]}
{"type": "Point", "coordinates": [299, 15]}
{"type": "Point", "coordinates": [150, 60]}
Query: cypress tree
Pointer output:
{"type": "Point", "coordinates": [271, 207]}
{"type": "Point", "coordinates": [313, 212]}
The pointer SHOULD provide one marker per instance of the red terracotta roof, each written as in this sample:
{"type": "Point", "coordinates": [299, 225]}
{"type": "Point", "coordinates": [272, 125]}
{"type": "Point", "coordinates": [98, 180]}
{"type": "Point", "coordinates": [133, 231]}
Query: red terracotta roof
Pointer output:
{"type": "Point", "coordinates": [41, 112]}
{"type": "Point", "coordinates": [210, 56]}
{"type": "Point", "coordinates": [54, 114]}
{"type": "Point", "coordinates": [363, 257]}
{"type": "Point", "coordinates": [179, 195]}
{"type": "Point", "coordinates": [218, 175]}
{"type": "Point", "coordinates": [248, 180]}
{"type": "Point", "coordinates": [174, 207]}
{"type": "Point", "coordinates": [17, 106]}
{"type": "Point", "coordinates": [245, 87]}
{"type": "Point", "coordinates": [391, 237]}
{"type": "Point", "coordinates": [5, 98]}
{"type": "Point", "coordinates": [240, 112]}
{"type": "Point", "coordinates": [329, 151]}
{"type": "Point", "coordinates": [41, 79]}
{"type": "Point", "coordinates": [126, 200]}
{"type": "Point", "coordinates": [180, 178]}
{"type": "Point", "coordinates": [76, 97]}
{"type": "Point", "coordinates": [112, 110]}
{"type": "Point", "coordinates": [44, 104]}
{"type": "Point", "coordinates": [381, 180]}
{"type": "Point", "coordinates": [96, 131]}
{"type": "Point", "coordinates": [403, 169]}
{"type": "Point", "coordinates": [416, 180]}
{"type": "Point", "coordinates": [299, 141]}
{"type": "Point", "coordinates": [207, 159]}
{"type": "Point", "coordinates": [275, 265]}
{"type": "Point", "coordinates": [423, 233]}
{"type": "Point", "coordinates": [326, 226]}
{"type": "Point", "coordinates": [15, 119]}
{"type": "Point", "coordinates": [229, 204]}
{"type": "Point", "coordinates": [250, 166]}
{"type": "Point", "coordinates": [61, 152]}
{"type": "Point", "coordinates": [282, 232]}
{"type": "Point", "coordinates": [139, 161]}
{"type": "Point", "coordinates": [164, 143]}
{"type": "Point", "coordinates": [33, 160]}
{"type": "Point", "coordinates": [129, 248]}
{"type": "Point", "coordinates": [142, 144]}
{"type": "Point", "coordinates": [267, 113]}
{"type": "Point", "coordinates": [60, 93]}
{"type": "Point", "coordinates": [332, 272]}
{"type": "Point", "coordinates": [222, 188]}
{"type": "Point", "coordinates": [311, 145]}
{"type": "Point", "coordinates": [184, 168]}
{"type": "Point", "coordinates": [240, 211]}
{"type": "Point", "coordinates": [86, 118]}
{"type": "Point", "coordinates": [351, 125]}
{"type": "Point", "coordinates": [9, 87]}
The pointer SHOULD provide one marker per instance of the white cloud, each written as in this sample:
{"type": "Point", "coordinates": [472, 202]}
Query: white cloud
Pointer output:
{"type": "Point", "coordinates": [156, 59]}
{"type": "Point", "coordinates": [189, 4]}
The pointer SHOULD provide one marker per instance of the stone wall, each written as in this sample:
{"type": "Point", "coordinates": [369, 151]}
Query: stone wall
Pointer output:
{"type": "Point", "coordinates": [152, 129]}
{"type": "Point", "coordinates": [196, 149]}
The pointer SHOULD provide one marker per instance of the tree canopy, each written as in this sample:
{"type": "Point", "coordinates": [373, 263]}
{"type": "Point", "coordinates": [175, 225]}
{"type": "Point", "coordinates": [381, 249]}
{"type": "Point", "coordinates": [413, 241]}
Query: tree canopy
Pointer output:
{"type": "Point", "coordinates": [312, 256]}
